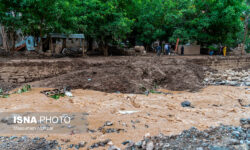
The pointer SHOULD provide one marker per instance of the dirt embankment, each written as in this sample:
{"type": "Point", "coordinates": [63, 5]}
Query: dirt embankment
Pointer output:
{"type": "Point", "coordinates": [115, 74]}
{"type": "Point", "coordinates": [131, 76]}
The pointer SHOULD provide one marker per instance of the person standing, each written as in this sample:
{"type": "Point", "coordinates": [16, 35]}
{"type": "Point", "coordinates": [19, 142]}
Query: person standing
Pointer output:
{"type": "Point", "coordinates": [166, 48]}
{"type": "Point", "coordinates": [158, 50]}
{"type": "Point", "coordinates": [221, 49]}
{"type": "Point", "coordinates": [182, 50]}
{"type": "Point", "coordinates": [225, 51]}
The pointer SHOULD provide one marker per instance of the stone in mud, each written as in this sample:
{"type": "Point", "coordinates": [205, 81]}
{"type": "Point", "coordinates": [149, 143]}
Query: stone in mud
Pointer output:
{"type": "Point", "coordinates": [232, 83]}
{"type": "Point", "coordinates": [150, 146]}
{"type": "Point", "coordinates": [100, 144]}
{"type": "Point", "coordinates": [216, 138]}
{"type": "Point", "coordinates": [186, 104]}
{"type": "Point", "coordinates": [82, 144]}
{"type": "Point", "coordinates": [247, 83]}
{"type": "Point", "coordinates": [112, 147]}
{"type": "Point", "coordinates": [108, 123]}
{"type": "Point", "coordinates": [126, 142]}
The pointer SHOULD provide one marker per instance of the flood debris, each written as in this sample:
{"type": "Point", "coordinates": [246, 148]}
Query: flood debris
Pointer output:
{"type": "Point", "coordinates": [56, 93]}
{"type": "Point", "coordinates": [110, 130]}
{"type": "Point", "coordinates": [242, 103]}
{"type": "Point", "coordinates": [108, 123]}
{"type": "Point", "coordinates": [221, 137]}
{"type": "Point", "coordinates": [228, 77]}
{"type": "Point", "coordinates": [3, 94]}
{"type": "Point", "coordinates": [23, 143]}
{"type": "Point", "coordinates": [128, 112]}
{"type": "Point", "coordinates": [78, 146]}
{"type": "Point", "coordinates": [100, 144]}
{"type": "Point", "coordinates": [24, 89]}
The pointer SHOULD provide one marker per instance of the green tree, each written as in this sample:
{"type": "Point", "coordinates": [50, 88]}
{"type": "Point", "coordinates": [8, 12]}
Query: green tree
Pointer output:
{"type": "Point", "coordinates": [10, 16]}
{"type": "Point", "coordinates": [103, 21]}
{"type": "Point", "coordinates": [45, 16]}
{"type": "Point", "coordinates": [219, 20]}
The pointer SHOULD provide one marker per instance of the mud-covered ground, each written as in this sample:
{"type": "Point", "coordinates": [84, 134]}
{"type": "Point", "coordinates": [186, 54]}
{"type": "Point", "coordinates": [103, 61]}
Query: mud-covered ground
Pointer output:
{"type": "Point", "coordinates": [154, 114]}
{"type": "Point", "coordinates": [153, 87]}
{"type": "Point", "coordinates": [131, 76]}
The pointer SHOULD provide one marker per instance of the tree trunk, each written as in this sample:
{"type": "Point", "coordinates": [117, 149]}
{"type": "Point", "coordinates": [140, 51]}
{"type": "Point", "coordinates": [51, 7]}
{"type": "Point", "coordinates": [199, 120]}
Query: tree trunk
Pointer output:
{"type": "Point", "coordinates": [40, 45]}
{"type": "Point", "coordinates": [51, 47]}
{"type": "Point", "coordinates": [245, 35]}
{"type": "Point", "coordinates": [83, 48]}
{"type": "Point", "coordinates": [64, 44]}
{"type": "Point", "coordinates": [105, 50]}
{"type": "Point", "coordinates": [5, 39]}
{"type": "Point", "coordinates": [14, 40]}
{"type": "Point", "coordinates": [90, 41]}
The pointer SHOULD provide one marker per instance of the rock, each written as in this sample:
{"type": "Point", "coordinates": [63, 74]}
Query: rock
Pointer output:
{"type": "Point", "coordinates": [113, 148]}
{"type": "Point", "coordinates": [13, 137]}
{"type": "Point", "coordinates": [243, 121]}
{"type": "Point", "coordinates": [206, 79]}
{"type": "Point", "coordinates": [108, 123]}
{"type": "Point", "coordinates": [147, 135]}
{"type": "Point", "coordinates": [186, 104]}
{"type": "Point", "coordinates": [126, 142]}
{"type": "Point", "coordinates": [150, 145]}
{"type": "Point", "coordinates": [100, 144]}
{"type": "Point", "coordinates": [234, 142]}
{"type": "Point", "coordinates": [9, 119]}
{"type": "Point", "coordinates": [217, 148]}
{"type": "Point", "coordinates": [247, 83]}
{"type": "Point", "coordinates": [138, 144]}
{"type": "Point", "coordinates": [236, 134]}
{"type": "Point", "coordinates": [216, 138]}
{"type": "Point", "coordinates": [91, 131]}
{"type": "Point", "coordinates": [232, 83]}
{"type": "Point", "coordinates": [77, 146]}
{"type": "Point", "coordinates": [139, 49]}
{"type": "Point", "coordinates": [69, 94]}
{"type": "Point", "coordinates": [82, 144]}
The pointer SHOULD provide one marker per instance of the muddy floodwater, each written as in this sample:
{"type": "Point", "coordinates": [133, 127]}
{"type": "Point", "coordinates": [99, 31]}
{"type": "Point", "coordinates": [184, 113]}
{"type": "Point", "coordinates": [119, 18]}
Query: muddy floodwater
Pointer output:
{"type": "Point", "coordinates": [154, 114]}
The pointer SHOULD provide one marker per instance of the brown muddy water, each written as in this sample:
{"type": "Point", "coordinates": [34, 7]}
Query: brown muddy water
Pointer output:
{"type": "Point", "coordinates": [156, 113]}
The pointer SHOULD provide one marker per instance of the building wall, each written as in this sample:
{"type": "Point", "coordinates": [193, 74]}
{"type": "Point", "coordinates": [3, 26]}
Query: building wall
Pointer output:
{"type": "Point", "coordinates": [190, 49]}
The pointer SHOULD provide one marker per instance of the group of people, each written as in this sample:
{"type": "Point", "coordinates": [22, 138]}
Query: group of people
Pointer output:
{"type": "Point", "coordinates": [167, 48]}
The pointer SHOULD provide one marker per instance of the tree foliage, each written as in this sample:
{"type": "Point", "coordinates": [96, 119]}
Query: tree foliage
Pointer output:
{"type": "Point", "coordinates": [139, 21]}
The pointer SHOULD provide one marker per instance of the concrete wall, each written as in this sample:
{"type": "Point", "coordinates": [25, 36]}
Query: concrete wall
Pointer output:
{"type": "Point", "coordinates": [224, 63]}
{"type": "Point", "coordinates": [73, 43]}
{"type": "Point", "coordinates": [28, 71]}
{"type": "Point", "coordinates": [190, 49]}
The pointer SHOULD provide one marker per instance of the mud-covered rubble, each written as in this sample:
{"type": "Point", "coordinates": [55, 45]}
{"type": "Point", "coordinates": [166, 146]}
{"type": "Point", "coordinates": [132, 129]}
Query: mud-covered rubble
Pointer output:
{"type": "Point", "coordinates": [25, 143]}
{"type": "Point", "coordinates": [228, 77]}
{"type": "Point", "coordinates": [223, 137]}
{"type": "Point", "coordinates": [216, 138]}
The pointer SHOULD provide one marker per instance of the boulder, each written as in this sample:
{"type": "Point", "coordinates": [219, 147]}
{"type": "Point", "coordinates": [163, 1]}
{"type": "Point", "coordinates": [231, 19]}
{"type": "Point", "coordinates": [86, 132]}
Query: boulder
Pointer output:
{"type": "Point", "coordinates": [139, 49]}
